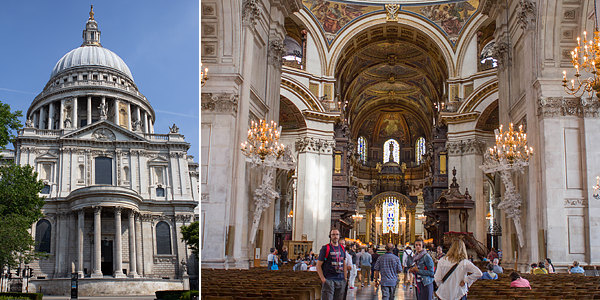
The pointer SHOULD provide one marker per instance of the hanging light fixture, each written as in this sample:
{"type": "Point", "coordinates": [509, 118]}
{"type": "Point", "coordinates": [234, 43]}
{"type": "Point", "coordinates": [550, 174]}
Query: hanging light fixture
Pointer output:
{"type": "Point", "coordinates": [511, 146]}
{"type": "Point", "coordinates": [585, 57]}
{"type": "Point", "coordinates": [596, 188]}
{"type": "Point", "coordinates": [357, 217]}
{"type": "Point", "coordinates": [489, 216]}
{"type": "Point", "coordinates": [263, 141]}
{"type": "Point", "coordinates": [291, 214]}
{"type": "Point", "coordinates": [203, 75]}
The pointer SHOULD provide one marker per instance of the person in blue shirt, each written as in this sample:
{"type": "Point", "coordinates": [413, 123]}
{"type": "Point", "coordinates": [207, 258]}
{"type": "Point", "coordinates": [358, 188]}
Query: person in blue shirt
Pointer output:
{"type": "Point", "coordinates": [423, 270]}
{"type": "Point", "coordinates": [388, 265]}
{"type": "Point", "coordinates": [490, 273]}
{"type": "Point", "coordinates": [576, 269]}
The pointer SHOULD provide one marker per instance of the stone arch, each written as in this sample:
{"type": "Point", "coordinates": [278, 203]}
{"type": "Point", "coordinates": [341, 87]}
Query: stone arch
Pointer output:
{"type": "Point", "coordinates": [315, 33]}
{"type": "Point", "coordinates": [463, 44]}
{"type": "Point", "coordinates": [406, 21]}
{"type": "Point", "coordinates": [488, 120]}
{"type": "Point", "coordinates": [299, 94]}
{"type": "Point", "coordinates": [403, 200]}
{"type": "Point", "coordinates": [484, 94]}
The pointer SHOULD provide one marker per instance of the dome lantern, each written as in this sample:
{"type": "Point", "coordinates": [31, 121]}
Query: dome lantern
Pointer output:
{"type": "Point", "coordinates": [91, 34]}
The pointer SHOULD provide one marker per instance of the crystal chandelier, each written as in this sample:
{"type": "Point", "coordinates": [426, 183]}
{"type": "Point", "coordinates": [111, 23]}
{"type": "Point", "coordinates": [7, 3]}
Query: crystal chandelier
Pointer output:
{"type": "Point", "coordinates": [263, 141]}
{"type": "Point", "coordinates": [511, 146]}
{"type": "Point", "coordinates": [585, 57]}
{"type": "Point", "coordinates": [203, 75]}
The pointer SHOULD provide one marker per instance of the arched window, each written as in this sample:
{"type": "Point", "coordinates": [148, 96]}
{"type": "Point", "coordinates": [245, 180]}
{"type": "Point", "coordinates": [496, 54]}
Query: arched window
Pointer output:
{"type": "Point", "coordinates": [43, 231]}
{"type": "Point", "coordinates": [391, 215]}
{"type": "Point", "coordinates": [163, 238]}
{"type": "Point", "coordinates": [391, 148]}
{"type": "Point", "coordinates": [486, 60]}
{"type": "Point", "coordinates": [420, 150]}
{"type": "Point", "coordinates": [362, 149]}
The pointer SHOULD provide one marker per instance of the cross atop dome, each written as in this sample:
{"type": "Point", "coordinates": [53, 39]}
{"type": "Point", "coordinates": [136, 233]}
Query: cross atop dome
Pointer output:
{"type": "Point", "coordinates": [91, 34]}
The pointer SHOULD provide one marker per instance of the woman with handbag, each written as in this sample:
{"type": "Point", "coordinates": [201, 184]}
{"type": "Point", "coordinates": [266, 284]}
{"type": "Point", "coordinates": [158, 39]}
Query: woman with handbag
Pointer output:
{"type": "Point", "coordinates": [452, 273]}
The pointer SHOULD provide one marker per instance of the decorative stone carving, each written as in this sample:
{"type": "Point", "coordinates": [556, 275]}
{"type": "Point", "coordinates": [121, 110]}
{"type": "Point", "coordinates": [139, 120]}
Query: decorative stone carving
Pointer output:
{"type": "Point", "coordinates": [183, 218]}
{"type": "Point", "coordinates": [223, 103]}
{"type": "Point", "coordinates": [174, 129]}
{"type": "Point", "coordinates": [315, 145]}
{"type": "Point", "coordinates": [276, 53]}
{"type": "Point", "coordinates": [392, 11]}
{"type": "Point", "coordinates": [29, 123]}
{"type": "Point", "coordinates": [501, 52]}
{"type": "Point", "coordinates": [526, 15]}
{"type": "Point", "coordinates": [576, 203]}
{"type": "Point", "coordinates": [103, 134]}
{"type": "Point", "coordinates": [136, 125]}
{"type": "Point", "coordinates": [263, 196]}
{"type": "Point", "coordinates": [552, 107]}
{"type": "Point", "coordinates": [67, 122]}
{"type": "Point", "coordinates": [470, 146]}
{"type": "Point", "coordinates": [250, 12]}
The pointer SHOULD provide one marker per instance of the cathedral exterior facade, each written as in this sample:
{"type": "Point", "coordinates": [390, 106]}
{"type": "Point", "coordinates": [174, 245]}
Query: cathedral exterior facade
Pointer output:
{"type": "Point", "coordinates": [116, 192]}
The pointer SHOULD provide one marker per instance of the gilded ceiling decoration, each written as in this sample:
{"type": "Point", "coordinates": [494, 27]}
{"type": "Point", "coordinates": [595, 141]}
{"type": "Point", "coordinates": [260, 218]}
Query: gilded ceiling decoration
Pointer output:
{"type": "Point", "coordinates": [449, 16]}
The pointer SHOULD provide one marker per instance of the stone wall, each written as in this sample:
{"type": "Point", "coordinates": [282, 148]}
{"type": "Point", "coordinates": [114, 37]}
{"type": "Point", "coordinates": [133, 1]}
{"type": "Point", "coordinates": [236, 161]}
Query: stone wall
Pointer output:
{"type": "Point", "coordinates": [98, 286]}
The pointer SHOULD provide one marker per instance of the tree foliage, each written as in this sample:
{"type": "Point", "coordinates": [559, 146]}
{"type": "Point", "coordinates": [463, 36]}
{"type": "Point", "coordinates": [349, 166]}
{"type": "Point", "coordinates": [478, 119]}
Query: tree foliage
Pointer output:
{"type": "Point", "coordinates": [9, 121]}
{"type": "Point", "coordinates": [191, 236]}
{"type": "Point", "coordinates": [20, 207]}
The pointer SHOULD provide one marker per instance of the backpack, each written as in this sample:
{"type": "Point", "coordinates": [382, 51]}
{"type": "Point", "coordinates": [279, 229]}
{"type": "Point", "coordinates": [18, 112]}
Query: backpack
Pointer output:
{"type": "Point", "coordinates": [409, 259]}
{"type": "Point", "coordinates": [328, 249]}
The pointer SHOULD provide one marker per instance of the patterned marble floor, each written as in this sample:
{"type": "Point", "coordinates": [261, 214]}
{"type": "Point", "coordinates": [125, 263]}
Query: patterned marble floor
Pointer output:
{"type": "Point", "coordinates": [370, 293]}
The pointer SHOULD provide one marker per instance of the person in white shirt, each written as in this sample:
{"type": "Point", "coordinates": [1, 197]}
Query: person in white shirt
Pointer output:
{"type": "Point", "coordinates": [406, 256]}
{"type": "Point", "coordinates": [451, 273]}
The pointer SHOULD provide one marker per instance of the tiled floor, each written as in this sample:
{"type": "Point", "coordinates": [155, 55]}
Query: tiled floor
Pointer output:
{"type": "Point", "coordinates": [370, 293]}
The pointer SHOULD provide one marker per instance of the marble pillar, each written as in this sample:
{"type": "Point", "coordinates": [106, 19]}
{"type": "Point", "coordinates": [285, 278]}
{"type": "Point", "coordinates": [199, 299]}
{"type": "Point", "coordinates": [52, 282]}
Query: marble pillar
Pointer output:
{"type": "Point", "coordinates": [116, 109]}
{"type": "Point", "coordinates": [138, 245]}
{"type": "Point", "coordinates": [118, 244]}
{"type": "Point", "coordinates": [51, 116]}
{"type": "Point", "coordinates": [61, 114]}
{"type": "Point", "coordinates": [132, 252]}
{"type": "Point", "coordinates": [75, 113]}
{"type": "Point", "coordinates": [146, 123]}
{"type": "Point", "coordinates": [97, 240]}
{"type": "Point", "coordinates": [128, 116]}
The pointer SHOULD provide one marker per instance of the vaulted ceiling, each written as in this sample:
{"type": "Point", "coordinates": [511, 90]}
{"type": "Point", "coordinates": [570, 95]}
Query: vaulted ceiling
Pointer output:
{"type": "Point", "coordinates": [391, 72]}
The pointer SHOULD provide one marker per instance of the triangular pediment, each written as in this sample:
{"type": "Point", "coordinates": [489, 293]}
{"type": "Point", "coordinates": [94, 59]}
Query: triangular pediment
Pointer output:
{"type": "Point", "coordinates": [103, 131]}
{"type": "Point", "coordinates": [48, 155]}
{"type": "Point", "coordinates": [158, 159]}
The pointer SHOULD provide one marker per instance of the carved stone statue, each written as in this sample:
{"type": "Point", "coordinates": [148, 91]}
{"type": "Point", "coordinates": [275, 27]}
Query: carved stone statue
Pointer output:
{"type": "Point", "coordinates": [103, 109]}
{"type": "Point", "coordinates": [183, 267]}
{"type": "Point", "coordinates": [68, 122]}
{"type": "Point", "coordinates": [174, 129]}
{"type": "Point", "coordinates": [29, 123]}
{"type": "Point", "coordinates": [136, 125]}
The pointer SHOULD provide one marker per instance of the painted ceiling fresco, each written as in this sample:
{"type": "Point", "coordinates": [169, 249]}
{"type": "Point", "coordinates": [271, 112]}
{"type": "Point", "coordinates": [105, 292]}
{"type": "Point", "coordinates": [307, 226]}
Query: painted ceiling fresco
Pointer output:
{"type": "Point", "coordinates": [449, 16]}
{"type": "Point", "coordinates": [335, 15]}
{"type": "Point", "coordinates": [382, 125]}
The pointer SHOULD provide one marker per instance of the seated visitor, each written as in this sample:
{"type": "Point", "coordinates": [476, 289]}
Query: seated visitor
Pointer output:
{"type": "Point", "coordinates": [490, 273]}
{"type": "Point", "coordinates": [517, 281]}
{"type": "Point", "coordinates": [550, 266]}
{"type": "Point", "coordinates": [576, 269]}
{"type": "Point", "coordinates": [497, 268]}
{"type": "Point", "coordinates": [533, 268]}
{"type": "Point", "coordinates": [541, 269]}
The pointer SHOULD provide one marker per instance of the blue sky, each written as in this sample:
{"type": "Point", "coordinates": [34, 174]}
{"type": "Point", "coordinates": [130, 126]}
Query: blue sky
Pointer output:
{"type": "Point", "coordinates": [158, 40]}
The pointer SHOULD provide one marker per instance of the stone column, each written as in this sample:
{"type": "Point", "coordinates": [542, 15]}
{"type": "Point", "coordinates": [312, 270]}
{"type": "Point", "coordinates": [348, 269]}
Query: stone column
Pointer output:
{"type": "Point", "coordinates": [146, 123]}
{"type": "Point", "coordinates": [41, 119]}
{"type": "Point", "coordinates": [128, 115]}
{"type": "Point", "coordinates": [50, 116]}
{"type": "Point", "coordinates": [75, 113]}
{"type": "Point", "coordinates": [116, 105]}
{"type": "Point", "coordinates": [36, 119]}
{"type": "Point", "coordinates": [138, 244]}
{"type": "Point", "coordinates": [138, 114]}
{"type": "Point", "coordinates": [119, 244]}
{"type": "Point", "coordinates": [61, 114]}
{"type": "Point", "coordinates": [80, 228]}
{"type": "Point", "coordinates": [151, 125]}
{"type": "Point", "coordinates": [97, 240]}
{"type": "Point", "coordinates": [132, 258]}
{"type": "Point", "coordinates": [89, 110]}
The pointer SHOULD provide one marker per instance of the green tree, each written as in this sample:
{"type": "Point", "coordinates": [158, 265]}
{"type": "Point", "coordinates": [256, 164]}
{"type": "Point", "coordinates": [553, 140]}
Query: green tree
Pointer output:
{"type": "Point", "coordinates": [9, 121]}
{"type": "Point", "coordinates": [191, 236]}
{"type": "Point", "coordinates": [20, 206]}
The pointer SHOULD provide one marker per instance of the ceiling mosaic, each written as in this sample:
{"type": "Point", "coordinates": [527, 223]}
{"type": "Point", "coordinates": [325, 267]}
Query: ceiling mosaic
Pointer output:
{"type": "Point", "coordinates": [449, 16]}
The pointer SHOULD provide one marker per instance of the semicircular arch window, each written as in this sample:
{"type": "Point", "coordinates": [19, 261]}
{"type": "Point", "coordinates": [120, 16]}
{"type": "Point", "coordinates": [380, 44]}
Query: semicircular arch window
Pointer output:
{"type": "Point", "coordinates": [391, 215]}
{"type": "Point", "coordinates": [163, 238]}
{"type": "Point", "coordinates": [43, 232]}
{"type": "Point", "coordinates": [391, 149]}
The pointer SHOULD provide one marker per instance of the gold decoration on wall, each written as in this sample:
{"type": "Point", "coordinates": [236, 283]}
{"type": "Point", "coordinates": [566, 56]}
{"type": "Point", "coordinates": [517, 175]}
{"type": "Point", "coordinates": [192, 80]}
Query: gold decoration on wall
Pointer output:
{"type": "Point", "coordinates": [392, 11]}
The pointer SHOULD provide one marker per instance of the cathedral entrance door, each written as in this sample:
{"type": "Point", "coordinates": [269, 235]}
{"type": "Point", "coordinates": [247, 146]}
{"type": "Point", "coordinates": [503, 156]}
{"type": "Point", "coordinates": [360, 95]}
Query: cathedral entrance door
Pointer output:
{"type": "Point", "coordinates": [107, 257]}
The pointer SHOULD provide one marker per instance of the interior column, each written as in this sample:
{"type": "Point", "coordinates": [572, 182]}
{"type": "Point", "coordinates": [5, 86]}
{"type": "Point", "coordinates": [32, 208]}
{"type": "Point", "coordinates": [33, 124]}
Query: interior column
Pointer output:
{"type": "Point", "coordinates": [80, 225]}
{"type": "Point", "coordinates": [132, 258]}
{"type": "Point", "coordinates": [119, 244]}
{"type": "Point", "coordinates": [97, 240]}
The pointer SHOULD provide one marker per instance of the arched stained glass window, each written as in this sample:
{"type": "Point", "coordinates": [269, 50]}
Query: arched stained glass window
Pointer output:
{"type": "Point", "coordinates": [43, 232]}
{"type": "Point", "coordinates": [391, 215]}
{"type": "Point", "coordinates": [420, 150]}
{"type": "Point", "coordinates": [362, 149]}
{"type": "Point", "coordinates": [391, 147]}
